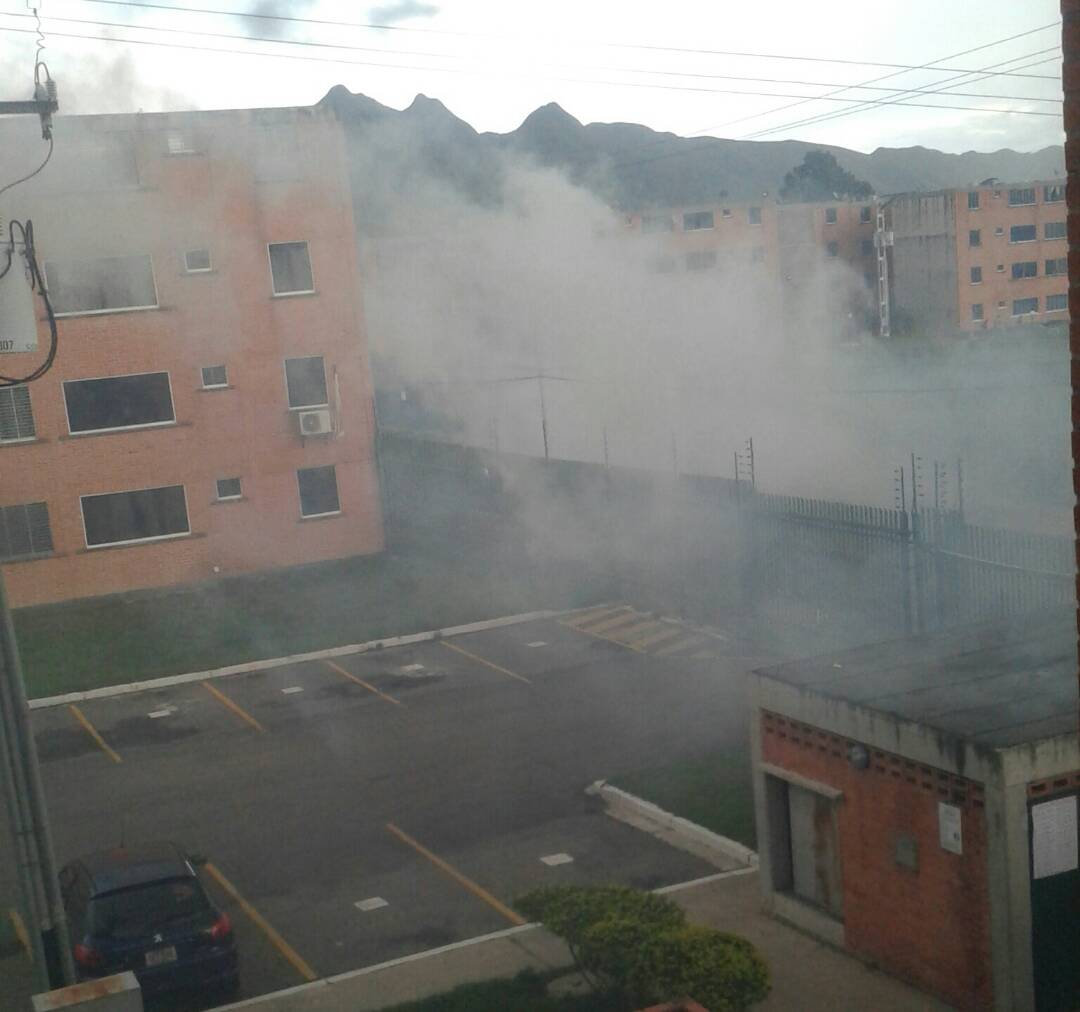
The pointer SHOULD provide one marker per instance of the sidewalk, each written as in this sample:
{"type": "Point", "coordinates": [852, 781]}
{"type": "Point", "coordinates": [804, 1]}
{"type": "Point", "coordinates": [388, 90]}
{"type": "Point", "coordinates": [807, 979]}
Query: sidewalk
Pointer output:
{"type": "Point", "coordinates": [806, 975]}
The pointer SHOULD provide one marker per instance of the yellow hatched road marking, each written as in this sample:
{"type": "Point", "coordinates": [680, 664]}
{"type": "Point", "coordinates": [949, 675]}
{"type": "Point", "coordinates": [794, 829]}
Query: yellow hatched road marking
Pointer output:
{"type": "Point", "coordinates": [633, 633]}
{"type": "Point", "coordinates": [484, 661]}
{"type": "Point", "coordinates": [608, 639]}
{"type": "Point", "coordinates": [287, 951]}
{"type": "Point", "coordinates": [592, 615]}
{"type": "Point", "coordinates": [20, 932]}
{"type": "Point", "coordinates": [682, 644]}
{"type": "Point", "coordinates": [609, 625]}
{"type": "Point", "coordinates": [665, 634]}
{"type": "Point", "coordinates": [235, 708]}
{"type": "Point", "coordinates": [467, 883]}
{"type": "Point", "coordinates": [359, 681]}
{"type": "Point", "coordinates": [93, 732]}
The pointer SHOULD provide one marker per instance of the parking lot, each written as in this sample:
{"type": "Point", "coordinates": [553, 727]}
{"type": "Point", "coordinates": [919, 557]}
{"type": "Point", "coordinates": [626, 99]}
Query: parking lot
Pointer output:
{"type": "Point", "coordinates": [364, 807]}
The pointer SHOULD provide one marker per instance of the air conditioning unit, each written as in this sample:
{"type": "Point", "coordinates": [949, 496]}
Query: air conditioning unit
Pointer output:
{"type": "Point", "coordinates": [314, 423]}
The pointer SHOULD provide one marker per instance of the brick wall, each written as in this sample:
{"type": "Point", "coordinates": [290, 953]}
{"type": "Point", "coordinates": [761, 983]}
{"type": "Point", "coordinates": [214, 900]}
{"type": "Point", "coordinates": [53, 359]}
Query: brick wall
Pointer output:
{"type": "Point", "coordinates": [930, 926]}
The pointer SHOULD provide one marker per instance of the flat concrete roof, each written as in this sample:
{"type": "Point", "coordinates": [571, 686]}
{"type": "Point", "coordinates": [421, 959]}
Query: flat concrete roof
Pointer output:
{"type": "Point", "coordinates": [996, 684]}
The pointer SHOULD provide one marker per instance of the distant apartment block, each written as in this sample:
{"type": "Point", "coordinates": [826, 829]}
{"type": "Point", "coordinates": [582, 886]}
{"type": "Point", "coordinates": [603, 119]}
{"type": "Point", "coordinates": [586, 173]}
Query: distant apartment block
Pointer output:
{"type": "Point", "coordinates": [210, 408]}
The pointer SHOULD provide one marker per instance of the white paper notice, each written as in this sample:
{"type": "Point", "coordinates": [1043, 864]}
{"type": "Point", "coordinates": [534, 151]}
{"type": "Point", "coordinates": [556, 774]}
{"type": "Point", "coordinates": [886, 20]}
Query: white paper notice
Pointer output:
{"type": "Point", "coordinates": [950, 833]}
{"type": "Point", "coordinates": [1053, 837]}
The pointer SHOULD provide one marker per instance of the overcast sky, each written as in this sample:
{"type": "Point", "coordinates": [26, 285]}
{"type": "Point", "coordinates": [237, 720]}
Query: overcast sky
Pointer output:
{"type": "Point", "coordinates": [494, 61]}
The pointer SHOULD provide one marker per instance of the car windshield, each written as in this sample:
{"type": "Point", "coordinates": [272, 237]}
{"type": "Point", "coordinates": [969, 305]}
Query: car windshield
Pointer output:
{"type": "Point", "coordinates": [140, 910]}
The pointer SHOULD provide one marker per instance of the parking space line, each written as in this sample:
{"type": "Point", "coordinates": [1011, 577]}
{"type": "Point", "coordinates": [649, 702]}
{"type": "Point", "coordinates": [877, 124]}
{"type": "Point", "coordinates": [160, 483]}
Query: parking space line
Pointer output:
{"type": "Point", "coordinates": [93, 732]}
{"type": "Point", "coordinates": [667, 633]}
{"type": "Point", "coordinates": [610, 624]}
{"type": "Point", "coordinates": [464, 881]}
{"type": "Point", "coordinates": [365, 685]}
{"type": "Point", "coordinates": [290, 955]}
{"type": "Point", "coordinates": [609, 639]}
{"type": "Point", "coordinates": [485, 662]}
{"type": "Point", "coordinates": [592, 615]}
{"type": "Point", "coordinates": [236, 708]}
{"type": "Point", "coordinates": [20, 932]}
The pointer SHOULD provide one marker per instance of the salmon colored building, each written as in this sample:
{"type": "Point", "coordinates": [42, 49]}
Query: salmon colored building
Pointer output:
{"type": "Point", "coordinates": [210, 408]}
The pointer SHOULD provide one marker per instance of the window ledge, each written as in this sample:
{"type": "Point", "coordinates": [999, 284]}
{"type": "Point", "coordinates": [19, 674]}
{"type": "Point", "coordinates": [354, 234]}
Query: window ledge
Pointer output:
{"type": "Point", "coordinates": [201, 273]}
{"type": "Point", "coordinates": [321, 516]}
{"type": "Point", "coordinates": [19, 559]}
{"type": "Point", "coordinates": [108, 312]}
{"type": "Point", "coordinates": [228, 500]}
{"type": "Point", "coordinates": [294, 295]}
{"type": "Point", "coordinates": [215, 389]}
{"type": "Point", "coordinates": [28, 441]}
{"type": "Point", "coordinates": [72, 436]}
{"type": "Point", "coordinates": [166, 539]}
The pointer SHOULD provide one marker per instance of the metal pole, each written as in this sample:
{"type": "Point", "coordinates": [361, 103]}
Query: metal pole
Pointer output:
{"type": "Point", "coordinates": [56, 932]}
{"type": "Point", "coordinates": [753, 475]}
{"type": "Point", "coordinates": [543, 415]}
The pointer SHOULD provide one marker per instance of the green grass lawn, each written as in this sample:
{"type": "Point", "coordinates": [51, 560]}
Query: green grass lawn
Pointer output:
{"type": "Point", "coordinates": [713, 790]}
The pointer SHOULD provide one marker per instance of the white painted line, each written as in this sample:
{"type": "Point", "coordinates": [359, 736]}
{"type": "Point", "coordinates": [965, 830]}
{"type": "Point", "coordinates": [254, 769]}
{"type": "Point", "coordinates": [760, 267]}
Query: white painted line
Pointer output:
{"type": "Point", "coordinates": [537, 643]}
{"type": "Point", "coordinates": [680, 886]}
{"type": "Point", "coordinates": [411, 667]}
{"type": "Point", "coordinates": [374, 903]}
{"type": "Point", "coordinates": [554, 859]}
{"type": "Point", "coordinates": [291, 689]}
{"type": "Point", "coordinates": [154, 714]}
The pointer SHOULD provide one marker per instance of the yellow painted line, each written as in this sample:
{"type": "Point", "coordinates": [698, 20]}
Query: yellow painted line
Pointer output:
{"type": "Point", "coordinates": [687, 641]}
{"type": "Point", "coordinates": [485, 662]}
{"type": "Point", "coordinates": [478, 891]}
{"type": "Point", "coordinates": [665, 634]}
{"type": "Point", "coordinates": [93, 732]}
{"type": "Point", "coordinates": [609, 639]}
{"type": "Point", "coordinates": [611, 624]}
{"type": "Point", "coordinates": [20, 932]}
{"type": "Point", "coordinates": [236, 708]}
{"type": "Point", "coordinates": [287, 951]}
{"type": "Point", "coordinates": [592, 615]}
{"type": "Point", "coordinates": [631, 634]}
{"type": "Point", "coordinates": [359, 681]}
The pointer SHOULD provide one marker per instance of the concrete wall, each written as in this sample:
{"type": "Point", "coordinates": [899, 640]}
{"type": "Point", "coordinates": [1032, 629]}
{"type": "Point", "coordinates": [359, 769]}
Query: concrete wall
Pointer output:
{"type": "Point", "coordinates": [923, 267]}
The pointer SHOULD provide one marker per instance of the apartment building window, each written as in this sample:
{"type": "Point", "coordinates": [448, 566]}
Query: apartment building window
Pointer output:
{"type": "Point", "coordinates": [1025, 269]}
{"type": "Point", "coordinates": [725, 212]}
{"type": "Point", "coordinates": [1056, 303]}
{"type": "Point", "coordinates": [25, 531]}
{"type": "Point", "coordinates": [1022, 233]}
{"type": "Point", "coordinates": [1053, 194]}
{"type": "Point", "coordinates": [651, 223]}
{"type": "Point", "coordinates": [975, 237]}
{"type": "Point", "coordinates": [1024, 307]}
{"type": "Point", "coordinates": [290, 268]}
{"type": "Point", "coordinates": [830, 216]}
{"type": "Point", "coordinates": [305, 379]}
{"type": "Point", "coordinates": [1054, 230]}
{"type": "Point", "coordinates": [101, 285]}
{"type": "Point", "coordinates": [197, 261]}
{"type": "Point", "coordinates": [867, 247]}
{"type": "Point", "coordinates": [976, 275]}
{"type": "Point", "coordinates": [1058, 267]}
{"type": "Point", "coordinates": [700, 260]}
{"type": "Point", "coordinates": [1021, 197]}
{"type": "Point", "coordinates": [125, 518]}
{"type": "Point", "coordinates": [999, 231]}
{"type": "Point", "coordinates": [318, 491]}
{"type": "Point", "coordinates": [864, 214]}
{"type": "Point", "coordinates": [833, 249]}
{"type": "Point", "coordinates": [177, 143]}
{"type": "Point", "coordinates": [229, 488]}
{"type": "Point", "coordinates": [753, 215]}
{"type": "Point", "coordinates": [973, 200]}
{"type": "Point", "coordinates": [118, 402]}
{"type": "Point", "coordinates": [977, 311]}
{"type": "Point", "coordinates": [1001, 304]}
{"type": "Point", "coordinates": [1000, 268]}
{"type": "Point", "coordinates": [693, 221]}
{"type": "Point", "coordinates": [214, 377]}
{"type": "Point", "coordinates": [16, 415]}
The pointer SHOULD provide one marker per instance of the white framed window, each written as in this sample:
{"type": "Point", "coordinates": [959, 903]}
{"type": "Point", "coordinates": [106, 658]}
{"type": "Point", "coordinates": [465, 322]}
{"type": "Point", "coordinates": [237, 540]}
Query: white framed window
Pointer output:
{"type": "Point", "coordinates": [999, 231]}
{"type": "Point", "coordinates": [976, 275]}
{"type": "Point", "coordinates": [1022, 233]}
{"type": "Point", "coordinates": [141, 400]}
{"type": "Point", "coordinates": [318, 491]}
{"type": "Point", "coordinates": [101, 285]}
{"type": "Point", "coordinates": [197, 261]}
{"type": "Point", "coordinates": [694, 221]}
{"type": "Point", "coordinates": [178, 143]}
{"type": "Point", "coordinates": [1054, 230]}
{"type": "Point", "coordinates": [305, 382]}
{"type": "Point", "coordinates": [16, 415]}
{"type": "Point", "coordinates": [1058, 267]}
{"type": "Point", "coordinates": [214, 377]}
{"type": "Point", "coordinates": [1053, 193]}
{"type": "Point", "coordinates": [1022, 197]}
{"type": "Point", "coordinates": [864, 214]}
{"type": "Point", "coordinates": [1025, 269]}
{"type": "Point", "coordinates": [1025, 307]}
{"type": "Point", "coordinates": [25, 531]}
{"type": "Point", "coordinates": [229, 488]}
{"type": "Point", "coordinates": [977, 311]}
{"type": "Point", "coordinates": [132, 517]}
{"type": "Point", "coordinates": [973, 200]}
{"type": "Point", "coordinates": [725, 212]}
{"type": "Point", "coordinates": [1056, 303]}
{"type": "Point", "coordinates": [290, 268]}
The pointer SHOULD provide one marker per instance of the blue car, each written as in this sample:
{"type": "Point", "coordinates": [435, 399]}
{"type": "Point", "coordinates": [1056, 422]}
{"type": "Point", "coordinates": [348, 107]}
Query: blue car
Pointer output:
{"type": "Point", "coordinates": [144, 909]}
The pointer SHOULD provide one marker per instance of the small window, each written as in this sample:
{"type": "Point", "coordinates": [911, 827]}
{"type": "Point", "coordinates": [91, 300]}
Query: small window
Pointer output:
{"type": "Point", "coordinates": [149, 514]}
{"type": "Point", "coordinates": [318, 491]}
{"type": "Point", "coordinates": [16, 415]}
{"type": "Point", "coordinates": [1023, 307]}
{"type": "Point", "coordinates": [1022, 197]}
{"type": "Point", "coordinates": [305, 380]}
{"type": "Point", "coordinates": [1022, 233]}
{"type": "Point", "coordinates": [973, 200]}
{"type": "Point", "coordinates": [757, 255]}
{"type": "Point", "coordinates": [975, 237]}
{"type": "Point", "coordinates": [290, 268]}
{"type": "Point", "coordinates": [1056, 303]}
{"type": "Point", "coordinates": [1001, 304]}
{"type": "Point", "coordinates": [1054, 230]}
{"type": "Point", "coordinates": [1000, 268]}
{"type": "Point", "coordinates": [830, 216]}
{"type": "Point", "coordinates": [118, 402]}
{"type": "Point", "coordinates": [753, 215]}
{"type": "Point", "coordinates": [102, 285]}
{"type": "Point", "coordinates": [1025, 269]}
{"type": "Point", "coordinates": [657, 223]}
{"type": "Point", "coordinates": [178, 143]}
{"type": "Point", "coordinates": [725, 213]}
{"type": "Point", "coordinates": [999, 231]}
{"type": "Point", "coordinates": [228, 488]}
{"type": "Point", "coordinates": [1053, 194]}
{"type": "Point", "coordinates": [214, 377]}
{"type": "Point", "coordinates": [976, 275]}
{"type": "Point", "coordinates": [25, 531]}
{"type": "Point", "coordinates": [1058, 267]}
{"type": "Point", "coordinates": [700, 260]}
{"type": "Point", "coordinates": [693, 221]}
{"type": "Point", "coordinates": [197, 261]}
{"type": "Point", "coordinates": [864, 214]}
{"type": "Point", "coordinates": [977, 311]}
{"type": "Point", "coordinates": [867, 247]}
{"type": "Point", "coordinates": [833, 249]}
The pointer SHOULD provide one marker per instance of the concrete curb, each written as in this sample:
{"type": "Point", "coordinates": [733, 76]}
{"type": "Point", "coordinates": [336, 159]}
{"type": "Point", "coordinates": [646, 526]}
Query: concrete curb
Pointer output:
{"type": "Point", "coordinates": [276, 662]}
{"type": "Point", "coordinates": [712, 847]}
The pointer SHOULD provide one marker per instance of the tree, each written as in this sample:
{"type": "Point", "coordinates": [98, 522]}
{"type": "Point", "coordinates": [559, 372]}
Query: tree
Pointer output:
{"type": "Point", "coordinates": [820, 177]}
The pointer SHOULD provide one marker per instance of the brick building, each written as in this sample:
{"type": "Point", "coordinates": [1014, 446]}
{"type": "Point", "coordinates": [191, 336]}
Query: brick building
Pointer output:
{"type": "Point", "coordinates": [916, 804]}
{"type": "Point", "coordinates": [981, 258]}
{"type": "Point", "coordinates": [210, 407]}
